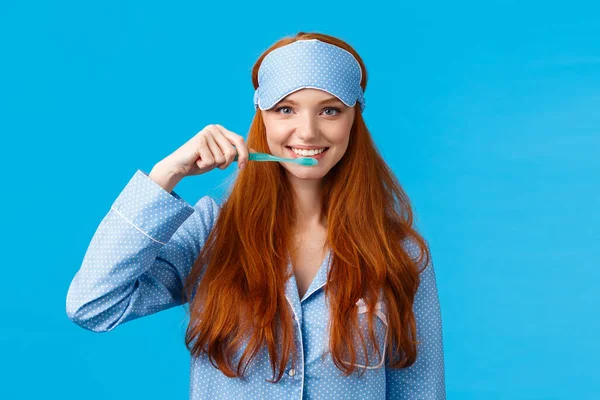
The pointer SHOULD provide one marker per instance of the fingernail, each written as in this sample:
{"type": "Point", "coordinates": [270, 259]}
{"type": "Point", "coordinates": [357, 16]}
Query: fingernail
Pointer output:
{"type": "Point", "coordinates": [242, 165]}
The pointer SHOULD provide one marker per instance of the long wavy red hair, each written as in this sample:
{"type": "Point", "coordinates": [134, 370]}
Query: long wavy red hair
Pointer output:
{"type": "Point", "coordinates": [239, 276]}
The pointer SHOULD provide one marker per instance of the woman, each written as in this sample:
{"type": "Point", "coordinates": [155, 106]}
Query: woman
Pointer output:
{"type": "Point", "coordinates": [307, 281]}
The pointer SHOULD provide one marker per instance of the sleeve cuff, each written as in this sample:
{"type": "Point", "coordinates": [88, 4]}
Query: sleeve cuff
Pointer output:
{"type": "Point", "coordinates": [150, 208]}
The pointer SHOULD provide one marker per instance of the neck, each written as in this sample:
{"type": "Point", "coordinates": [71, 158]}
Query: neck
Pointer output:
{"type": "Point", "coordinates": [309, 209]}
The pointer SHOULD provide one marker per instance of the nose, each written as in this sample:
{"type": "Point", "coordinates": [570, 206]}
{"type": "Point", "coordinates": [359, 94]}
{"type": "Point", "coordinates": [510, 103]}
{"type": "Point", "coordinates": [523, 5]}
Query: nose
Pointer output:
{"type": "Point", "coordinates": [308, 128]}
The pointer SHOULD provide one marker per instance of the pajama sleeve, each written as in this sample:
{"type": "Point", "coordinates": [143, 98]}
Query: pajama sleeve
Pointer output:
{"type": "Point", "coordinates": [425, 378]}
{"type": "Point", "coordinates": [139, 256]}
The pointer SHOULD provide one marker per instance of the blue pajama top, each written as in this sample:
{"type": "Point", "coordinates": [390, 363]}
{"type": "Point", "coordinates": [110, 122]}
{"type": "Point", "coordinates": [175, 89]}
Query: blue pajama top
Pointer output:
{"type": "Point", "coordinates": [136, 264]}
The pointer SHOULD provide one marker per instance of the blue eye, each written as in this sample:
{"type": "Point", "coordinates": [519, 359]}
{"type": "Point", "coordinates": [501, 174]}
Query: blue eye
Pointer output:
{"type": "Point", "coordinates": [328, 108]}
{"type": "Point", "coordinates": [277, 109]}
{"type": "Point", "coordinates": [334, 109]}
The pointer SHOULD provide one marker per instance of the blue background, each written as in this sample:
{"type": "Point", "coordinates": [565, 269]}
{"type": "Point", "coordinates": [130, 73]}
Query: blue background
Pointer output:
{"type": "Point", "coordinates": [488, 112]}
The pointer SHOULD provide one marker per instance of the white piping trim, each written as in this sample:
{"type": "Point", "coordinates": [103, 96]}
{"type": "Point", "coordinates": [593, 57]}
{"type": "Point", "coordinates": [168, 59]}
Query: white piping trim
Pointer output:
{"type": "Point", "coordinates": [362, 309]}
{"type": "Point", "coordinates": [307, 295]}
{"type": "Point", "coordinates": [303, 87]}
{"type": "Point", "coordinates": [301, 345]}
{"type": "Point", "coordinates": [132, 224]}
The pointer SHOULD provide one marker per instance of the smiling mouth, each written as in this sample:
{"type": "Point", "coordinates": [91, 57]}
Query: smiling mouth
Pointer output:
{"type": "Point", "coordinates": [317, 156]}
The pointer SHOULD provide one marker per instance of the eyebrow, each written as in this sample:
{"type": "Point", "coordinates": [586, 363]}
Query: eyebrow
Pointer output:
{"type": "Point", "coordinates": [329, 100]}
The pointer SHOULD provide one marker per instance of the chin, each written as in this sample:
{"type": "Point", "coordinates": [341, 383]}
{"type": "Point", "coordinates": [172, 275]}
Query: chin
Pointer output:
{"type": "Point", "coordinates": [299, 174]}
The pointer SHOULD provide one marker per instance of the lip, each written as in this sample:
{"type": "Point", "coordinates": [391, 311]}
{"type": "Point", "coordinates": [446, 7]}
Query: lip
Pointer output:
{"type": "Point", "coordinates": [306, 147]}
{"type": "Point", "coordinates": [294, 155]}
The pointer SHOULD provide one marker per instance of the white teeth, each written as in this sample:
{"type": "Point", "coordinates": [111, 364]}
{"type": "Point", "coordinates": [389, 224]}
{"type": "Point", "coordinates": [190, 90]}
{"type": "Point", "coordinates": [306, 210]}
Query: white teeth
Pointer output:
{"type": "Point", "coordinates": [307, 152]}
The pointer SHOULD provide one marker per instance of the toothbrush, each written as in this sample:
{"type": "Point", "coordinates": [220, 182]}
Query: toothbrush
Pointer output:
{"type": "Point", "coordinates": [306, 161]}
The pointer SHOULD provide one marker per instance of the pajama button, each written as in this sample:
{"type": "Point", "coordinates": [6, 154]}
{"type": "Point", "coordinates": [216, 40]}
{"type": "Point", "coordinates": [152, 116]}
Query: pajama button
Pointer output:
{"type": "Point", "coordinates": [291, 372]}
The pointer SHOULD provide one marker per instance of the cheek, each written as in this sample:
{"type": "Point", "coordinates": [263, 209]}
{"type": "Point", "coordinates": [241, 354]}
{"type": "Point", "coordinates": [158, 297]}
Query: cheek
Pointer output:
{"type": "Point", "coordinates": [341, 138]}
{"type": "Point", "coordinates": [276, 133]}
{"type": "Point", "coordinates": [276, 140]}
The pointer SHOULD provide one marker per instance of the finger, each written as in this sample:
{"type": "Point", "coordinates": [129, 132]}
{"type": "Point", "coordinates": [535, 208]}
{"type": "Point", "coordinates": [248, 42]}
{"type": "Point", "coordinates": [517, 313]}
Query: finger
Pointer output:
{"type": "Point", "coordinates": [206, 158]}
{"type": "Point", "coordinates": [218, 155]}
{"type": "Point", "coordinates": [226, 147]}
{"type": "Point", "coordinates": [238, 141]}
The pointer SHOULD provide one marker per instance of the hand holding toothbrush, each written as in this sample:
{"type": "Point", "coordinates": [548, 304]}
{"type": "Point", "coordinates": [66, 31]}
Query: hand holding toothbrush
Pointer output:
{"type": "Point", "coordinates": [214, 146]}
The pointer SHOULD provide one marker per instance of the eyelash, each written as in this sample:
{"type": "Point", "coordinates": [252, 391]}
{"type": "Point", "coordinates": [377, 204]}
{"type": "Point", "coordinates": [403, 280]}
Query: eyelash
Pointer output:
{"type": "Point", "coordinates": [327, 108]}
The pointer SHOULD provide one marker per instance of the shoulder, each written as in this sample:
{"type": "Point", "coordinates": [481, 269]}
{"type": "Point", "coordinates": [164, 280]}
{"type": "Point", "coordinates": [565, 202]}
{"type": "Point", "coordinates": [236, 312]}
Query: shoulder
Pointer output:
{"type": "Point", "coordinates": [421, 256]}
{"type": "Point", "coordinates": [411, 247]}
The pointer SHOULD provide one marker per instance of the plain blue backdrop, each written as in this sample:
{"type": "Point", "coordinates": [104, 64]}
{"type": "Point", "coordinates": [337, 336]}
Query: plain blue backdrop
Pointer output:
{"type": "Point", "coordinates": [488, 112]}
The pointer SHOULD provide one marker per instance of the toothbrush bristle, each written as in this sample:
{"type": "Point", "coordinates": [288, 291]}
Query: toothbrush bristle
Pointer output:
{"type": "Point", "coordinates": [308, 161]}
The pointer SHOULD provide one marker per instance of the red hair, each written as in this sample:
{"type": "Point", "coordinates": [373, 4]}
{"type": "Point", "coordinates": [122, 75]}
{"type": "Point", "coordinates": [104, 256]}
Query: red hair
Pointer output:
{"type": "Point", "coordinates": [240, 273]}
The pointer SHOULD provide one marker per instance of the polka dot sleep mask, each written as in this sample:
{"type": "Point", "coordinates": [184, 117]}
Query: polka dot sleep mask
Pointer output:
{"type": "Point", "coordinates": [309, 63]}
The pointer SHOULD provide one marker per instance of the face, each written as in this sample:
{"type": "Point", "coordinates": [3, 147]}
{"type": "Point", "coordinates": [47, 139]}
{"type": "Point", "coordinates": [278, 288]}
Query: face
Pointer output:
{"type": "Point", "coordinates": [309, 118]}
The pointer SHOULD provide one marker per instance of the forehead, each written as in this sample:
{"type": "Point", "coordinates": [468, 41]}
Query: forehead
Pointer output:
{"type": "Point", "coordinates": [310, 96]}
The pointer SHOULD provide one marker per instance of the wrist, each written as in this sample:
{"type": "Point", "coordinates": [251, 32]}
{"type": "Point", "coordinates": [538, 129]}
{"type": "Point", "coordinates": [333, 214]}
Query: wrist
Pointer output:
{"type": "Point", "coordinates": [164, 176]}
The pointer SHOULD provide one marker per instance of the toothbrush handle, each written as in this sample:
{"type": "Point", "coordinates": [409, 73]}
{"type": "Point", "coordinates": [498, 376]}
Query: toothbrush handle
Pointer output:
{"type": "Point", "coordinates": [262, 157]}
